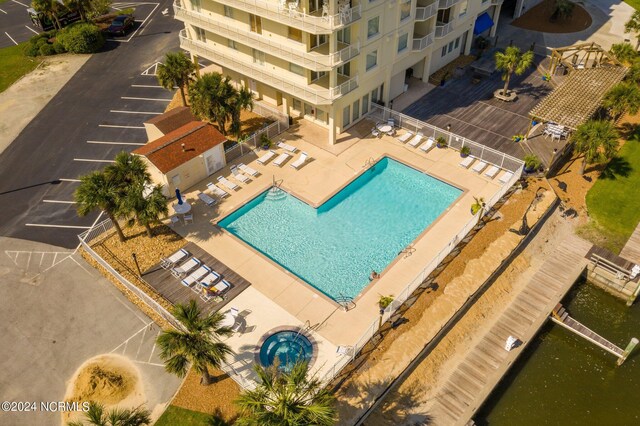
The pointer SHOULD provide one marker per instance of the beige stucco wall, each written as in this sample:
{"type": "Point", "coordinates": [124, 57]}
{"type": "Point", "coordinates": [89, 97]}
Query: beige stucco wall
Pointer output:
{"type": "Point", "coordinates": [153, 132]}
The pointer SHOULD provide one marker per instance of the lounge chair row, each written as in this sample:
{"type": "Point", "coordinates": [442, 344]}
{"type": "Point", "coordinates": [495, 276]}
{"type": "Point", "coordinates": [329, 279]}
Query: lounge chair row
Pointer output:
{"type": "Point", "coordinates": [491, 172]}
{"type": "Point", "coordinates": [241, 173]}
{"type": "Point", "coordinates": [416, 140]}
{"type": "Point", "coordinates": [282, 158]}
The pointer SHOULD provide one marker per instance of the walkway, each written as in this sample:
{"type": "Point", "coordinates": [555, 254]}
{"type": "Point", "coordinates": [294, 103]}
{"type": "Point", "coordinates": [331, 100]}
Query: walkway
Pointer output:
{"type": "Point", "coordinates": [476, 376]}
{"type": "Point", "coordinates": [631, 250]}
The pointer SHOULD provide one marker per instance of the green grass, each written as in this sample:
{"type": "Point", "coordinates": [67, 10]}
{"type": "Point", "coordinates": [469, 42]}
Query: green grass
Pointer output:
{"type": "Point", "coordinates": [633, 3]}
{"type": "Point", "coordinates": [613, 201]}
{"type": "Point", "coordinates": [14, 65]}
{"type": "Point", "coordinates": [177, 416]}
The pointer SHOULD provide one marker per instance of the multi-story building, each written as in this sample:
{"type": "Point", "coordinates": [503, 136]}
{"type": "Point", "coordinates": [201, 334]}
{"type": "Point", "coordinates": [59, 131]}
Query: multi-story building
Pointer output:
{"type": "Point", "coordinates": [327, 60]}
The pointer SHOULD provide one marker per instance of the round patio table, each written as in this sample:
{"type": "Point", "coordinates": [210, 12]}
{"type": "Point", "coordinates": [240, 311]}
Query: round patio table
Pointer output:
{"type": "Point", "coordinates": [384, 128]}
{"type": "Point", "coordinates": [228, 320]}
{"type": "Point", "coordinates": [182, 208]}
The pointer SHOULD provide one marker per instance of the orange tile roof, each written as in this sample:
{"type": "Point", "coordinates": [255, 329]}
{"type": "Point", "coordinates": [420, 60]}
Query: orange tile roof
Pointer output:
{"type": "Point", "coordinates": [172, 120]}
{"type": "Point", "coordinates": [181, 145]}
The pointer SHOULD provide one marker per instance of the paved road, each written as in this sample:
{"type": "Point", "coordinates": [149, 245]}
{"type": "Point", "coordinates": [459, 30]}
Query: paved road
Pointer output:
{"type": "Point", "coordinates": [97, 114]}
{"type": "Point", "coordinates": [15, 25]}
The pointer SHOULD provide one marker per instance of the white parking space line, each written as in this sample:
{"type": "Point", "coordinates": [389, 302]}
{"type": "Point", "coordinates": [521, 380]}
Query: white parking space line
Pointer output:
{"type": "Point", "coordinates": [42, 225]}
{"type": "Point", "coordinates": [59, 201]}
{"type": "Point", "coordinates": [141, 25]}
{"type": "Point", "coordinates": [14, 42]}
{"type": "Point", "coordinates": [90, 160]}
{"type": "Point", "coordinates": [143, 99]}
{"type": "Point", "coordinates": [120, 127]}
{"type": "Point", "coordinates": [69, 180]}
{"type": "Point", "coordinates": [115, 143]}
{"type": "Point", "coordinates": [135, 112]}
{"type": "Point", "coordinates": [147, 85]}
{"type": "Point", "coordinates": [16, 1]}
{"type": "Point", "coordinates": [3, 12]}
{"type": "Point", "coordinates": [31, 29]}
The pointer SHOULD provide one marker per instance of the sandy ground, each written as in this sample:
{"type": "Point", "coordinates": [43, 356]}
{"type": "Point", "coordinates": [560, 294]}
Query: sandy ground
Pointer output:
{"type": "Point", "coordinates": [538, 18]}
{"type": "Point", "coordinates": [451, 288]}
{"type": "Point", "coordinates": [111, 380]}
{"type": "Point", "coordinates": [22, 101]}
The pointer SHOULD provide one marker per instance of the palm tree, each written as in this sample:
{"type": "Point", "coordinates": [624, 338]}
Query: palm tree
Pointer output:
{"type": "Point", "coordinates": [564, 9]}
{"type": "Point", "coordinates": [50, 8]}
{"type": "Point", "coordinates": [623, 97]}
{"type": "Point", "coordinates": [128, 169]}
{"type": "Point", "coordinates": [197, 345]}
{"type": "Point", "coordinates": [512, 61]}
{"type": "Point", "coordinates": [242, 100]}
{"type": "Point", "coordinates": [283, 398]}
{"type": "Point", "coordinates": [82, 6]}
{"type": "Point", "coordinates": [633, 25]}
{"type": "Point", "coordinates": [149, 208]}
{"type": "Point", "coordinates": [176, 71]}
{"type": "Point", "coordinates": [596, 140]}
{"type": "Point", "coordinates": [633, 74]}
{"type": "Point", "coordinates": [96, 415]}
{"type": "Point", "coordinates": [96, 191]}
{"type": "Point", "coordinates": [624, 52]}
{"type": "Point", "coordinates": [210, 96]}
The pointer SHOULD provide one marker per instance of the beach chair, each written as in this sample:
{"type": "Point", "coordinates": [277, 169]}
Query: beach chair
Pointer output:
{"type": "Point", "coordinates": [195, 276]}
{"type": "Point", "coordinates": [479, 167]}
{"type": "Point", "coordinates": [391, 122]}
{"type": "Point", "coordinates": [206, 199]}
{"type": "Point", "coordinates": [174, 220]}
{"type": "Point", "coordinates": [281, 159]}
{"type": "Point", "coordinates": [287, 147]}
{"type": "Point", "coordinates": [227, 183]}
{"type": "Point", "coordinates": [174, 259]}
{"type": "Point", "coordinates": [416, 140]}
{"type": "Point", "coordinates": [238, 176]}
{"type": "Point", "coordinates": [375, 132]}
{"type": "Point", "coordinates": [344, 350]}
{"type": "Point", "coordinates": [304, 157]}
{"type": "Point", "coordinates": [207, 281]}
{"type": "Point", "coordinates": [505, 177]}
{"type": "Point", "coordinates": [405, 137]}
{"type": "Point", "coordinates": [185, 268]}
{"type": "Point", "coordinates": [248, 170]}
{"type": "Point", "coordinates": [492, 172]}
{"type": "Point", "coordinates": [266, 157]}
{"type": "Point", "coordinates": [216, 190]}
{"type": "Point", "coordinates": [426, 147]}
{"type": "Point", "coordinates": [221, 287]}
{"type": "Point", "coordinates": [466, 162]}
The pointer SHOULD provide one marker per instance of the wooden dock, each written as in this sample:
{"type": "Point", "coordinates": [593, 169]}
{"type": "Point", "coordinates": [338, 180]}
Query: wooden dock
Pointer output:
{"type": "Point", "coordinates": [631, 250]}
{"type": "Point", "coordinates": [561, 317]}
{"type": "Point", "coordinates": [474, 378]}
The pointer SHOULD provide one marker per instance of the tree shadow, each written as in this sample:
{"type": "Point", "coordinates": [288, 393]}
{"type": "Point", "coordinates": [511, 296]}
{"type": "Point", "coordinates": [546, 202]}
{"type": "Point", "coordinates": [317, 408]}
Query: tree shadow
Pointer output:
{"type": "Point", "coordinates": [219, 419]}
{"type": "Point", "coordinates": [617, 167]}
{"type": "Point", "coordinates": [405, 405]}
{"type": "Point", "coordinates": [629, 131]}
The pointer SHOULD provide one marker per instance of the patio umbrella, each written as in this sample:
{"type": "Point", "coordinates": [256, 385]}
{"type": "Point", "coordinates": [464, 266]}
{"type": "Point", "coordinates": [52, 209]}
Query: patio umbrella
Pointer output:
{"type": "Point", "coordinates": [178, 196]}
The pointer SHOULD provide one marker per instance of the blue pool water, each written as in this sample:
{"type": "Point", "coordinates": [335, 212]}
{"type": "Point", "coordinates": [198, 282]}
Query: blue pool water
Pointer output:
{"type": "Point", "coordinates": [287, 347]}
{"type": "Point", "coordinates": [361, 229]}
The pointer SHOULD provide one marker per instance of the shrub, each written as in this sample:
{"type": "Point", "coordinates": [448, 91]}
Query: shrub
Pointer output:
{"type": "Point", "coordinates": [47, 50]}
{"type": "Point", "coordinates": [81, 38]}
{"type": "Point", "coordinates": [58, 47]}
{"type": "Point", "coordinates": [532, 162]}
{"type": "Point", "coordinates": [31, 49]}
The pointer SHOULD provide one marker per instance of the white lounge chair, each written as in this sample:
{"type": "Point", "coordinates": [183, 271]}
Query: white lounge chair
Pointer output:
{"type": "Point", "coordinates": [216, 190]}
{"type": "Point", "coordinates": [221, 287]}
{"type": "Point", "coordinates": [466, 162]}
{"type": "Point", "coordinates": [416, 140]}
{"type": "Point", "coordinates": [281, 159]}
{"type": "Point", "coordinates": [227, 183]}
{"type": "Point", "coordinates": [174, 259]}
{"type": "Point", "coordinates": [375, 132]}
{"type": "Point", "coordinates": [248, 170]}
{"type": "Point", "coordinates": [238, 176]}
{"type": "Point", "coordinates": [479, 167]}
{"type": "Point", "coordinates": [492, 172]}
{"type": "Point", "coordinates": [505, 177]}
{"type": "Point", "coordinates": [208, 279]}
{"type": "Point", "coordinates": [426, 147]}
{"type": "Point", "coordinates": [206, 199]}
{"type": "Point", "coordinates": [344, 350]}
{"type": "Point", "coordinates": [287, 147]}
{"type": "Point", "coordinates": [266, 157]}
{"type": "Point", "coordinates": [185, 268]}
{"type": "Point", "coordinates": [304, 157]}
{"type": "Point", "coordinates": [405, 137]}
{"type": "Point", "coordinates": [195, 276]}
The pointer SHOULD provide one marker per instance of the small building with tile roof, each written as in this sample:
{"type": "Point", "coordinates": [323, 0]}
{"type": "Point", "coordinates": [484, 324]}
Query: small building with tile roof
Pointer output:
{"type": "Point", "coordinates": [185, 156]}
{"type": "Point", "coordinates": [167, 122]}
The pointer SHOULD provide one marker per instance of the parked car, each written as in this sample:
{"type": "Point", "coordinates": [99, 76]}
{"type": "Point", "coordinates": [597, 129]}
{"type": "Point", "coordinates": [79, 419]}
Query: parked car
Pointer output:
{"type": "Point", "coordinates": [121, 25]}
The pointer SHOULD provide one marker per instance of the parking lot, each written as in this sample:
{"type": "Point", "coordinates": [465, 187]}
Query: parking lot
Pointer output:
{"type": "Point", "coordinates": [99, 113]}
{"type": "Point", "coordinates": [15, 24]}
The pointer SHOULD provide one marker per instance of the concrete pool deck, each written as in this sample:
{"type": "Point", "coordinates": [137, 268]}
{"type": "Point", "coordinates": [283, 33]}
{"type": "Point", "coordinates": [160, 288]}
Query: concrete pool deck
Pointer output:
{"type": "Point", "coordinates": [315, 182]}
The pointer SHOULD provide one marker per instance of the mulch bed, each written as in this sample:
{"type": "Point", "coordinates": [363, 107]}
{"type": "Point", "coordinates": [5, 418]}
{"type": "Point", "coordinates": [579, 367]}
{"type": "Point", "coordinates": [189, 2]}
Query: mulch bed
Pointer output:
{"type": "Point", "coordinates": [540, 18]}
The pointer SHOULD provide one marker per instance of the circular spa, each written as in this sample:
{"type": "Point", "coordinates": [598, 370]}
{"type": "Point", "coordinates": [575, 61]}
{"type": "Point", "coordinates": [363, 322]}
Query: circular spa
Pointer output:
{"type": "Point", "coordinates": [286, 348]}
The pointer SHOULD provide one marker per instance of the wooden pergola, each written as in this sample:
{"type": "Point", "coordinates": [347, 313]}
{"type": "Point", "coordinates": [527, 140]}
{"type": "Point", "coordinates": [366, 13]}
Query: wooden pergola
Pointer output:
{"type": "Point", "coordinates": [581, 56]}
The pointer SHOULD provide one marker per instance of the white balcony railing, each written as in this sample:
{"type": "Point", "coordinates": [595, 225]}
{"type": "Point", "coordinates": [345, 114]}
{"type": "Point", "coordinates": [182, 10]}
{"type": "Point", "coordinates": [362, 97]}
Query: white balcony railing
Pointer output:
{"type": "Point", "coordinates": [443, 29]}
{"type": "Point", "coordinates": [272, 78]}
{"type": "Point", "coordinates": [446, 4]}
{"type": "Point", "coordinates": [496, 2]}
{"type": "Point", "coordinates": [310, 60]}
{"type": "Point", "coordinates": [316, 23]}
{"type": "Point", "coordinates": [424, 13]}
{"type": "Point", "coordinates": [421, 43]}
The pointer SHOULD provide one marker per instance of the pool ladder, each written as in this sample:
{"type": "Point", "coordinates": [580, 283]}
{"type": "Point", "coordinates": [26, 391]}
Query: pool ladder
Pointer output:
{"type": "Point", "coordinates": [305, 327]}
{"type": "Point", "coordinates": [407, 251]}
{"type": "Point", "coordinates": [370, 162]}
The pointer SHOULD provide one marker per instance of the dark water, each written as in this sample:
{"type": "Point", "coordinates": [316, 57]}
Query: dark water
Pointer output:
{"type": "Point", "coordinates": [565, 380]}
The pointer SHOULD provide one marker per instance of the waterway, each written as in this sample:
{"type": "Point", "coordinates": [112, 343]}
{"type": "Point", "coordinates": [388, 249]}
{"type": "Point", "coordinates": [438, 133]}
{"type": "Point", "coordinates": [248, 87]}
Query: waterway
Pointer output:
{"type": "Point", "coordinates": [565, 380]}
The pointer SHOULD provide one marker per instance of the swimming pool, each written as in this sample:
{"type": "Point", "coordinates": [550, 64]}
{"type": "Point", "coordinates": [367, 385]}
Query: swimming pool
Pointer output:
{"type": "Point", "coordinates": [361, 229]}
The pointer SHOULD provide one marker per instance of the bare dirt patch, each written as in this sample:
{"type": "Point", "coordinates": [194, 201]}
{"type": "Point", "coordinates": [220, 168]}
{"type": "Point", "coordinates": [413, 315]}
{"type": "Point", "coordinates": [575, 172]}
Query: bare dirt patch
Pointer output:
{"type": "Point", "coordinates": [218, 397]}
{"type": "Point", "coordinates": [540, 18]}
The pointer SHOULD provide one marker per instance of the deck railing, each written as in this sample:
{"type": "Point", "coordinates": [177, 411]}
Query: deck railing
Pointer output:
{"type": "Point", "coordinates": [422, 43]}
{"type": "Point", "coordinates": [444, 29]}
{"type": "Point", "coordinates": [425, 12]}
{"type": "Point", "coordinates": [446, 4]}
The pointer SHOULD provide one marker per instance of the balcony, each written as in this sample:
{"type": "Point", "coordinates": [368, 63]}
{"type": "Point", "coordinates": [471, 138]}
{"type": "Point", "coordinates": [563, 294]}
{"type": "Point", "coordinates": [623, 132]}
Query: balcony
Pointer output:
{"type": "Point", "coordinates": [446, 4]}
{"type": "Point", "coordinates": [421, 42]}
{"type": "Point", "coordinates": [496, 2]}
{"type": "Point", "coordinates": [426, 12]}
{"type": "Point", "coordinates": [318, 93]}
{"type": "Point", "coordinates": [313, 23]}
{"type": "Point", "coordinates": [443, 29]}
{"type": "Point", "coordinates": [316, 60]}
